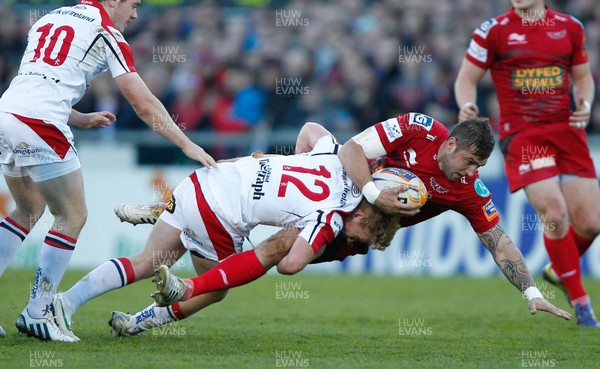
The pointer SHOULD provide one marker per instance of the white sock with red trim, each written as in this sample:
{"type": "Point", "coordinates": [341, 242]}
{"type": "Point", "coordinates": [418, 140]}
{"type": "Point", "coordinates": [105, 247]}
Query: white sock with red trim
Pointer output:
{"type": "Point", "coordinates": [11, 237]}
{"type": "Point", "coordinates": [55, 254]}
{"type": "Point", "coordinates": [113, 274]}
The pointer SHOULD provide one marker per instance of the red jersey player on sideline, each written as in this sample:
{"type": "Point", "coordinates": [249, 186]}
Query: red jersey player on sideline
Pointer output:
{"type": "Point", "coordinates": [531, 52]}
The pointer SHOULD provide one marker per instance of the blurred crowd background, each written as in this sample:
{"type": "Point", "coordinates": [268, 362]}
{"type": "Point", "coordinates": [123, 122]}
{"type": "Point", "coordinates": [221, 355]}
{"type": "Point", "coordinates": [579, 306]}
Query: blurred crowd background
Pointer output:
{"type": "Point", "coordinates": [229, 66]}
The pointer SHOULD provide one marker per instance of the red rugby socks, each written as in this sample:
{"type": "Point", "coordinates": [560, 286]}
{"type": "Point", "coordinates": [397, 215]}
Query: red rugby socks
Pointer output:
{"type": "Point", "coordinates": [234, 271]}
{"type": "Point", "coordinates": [564, 255]}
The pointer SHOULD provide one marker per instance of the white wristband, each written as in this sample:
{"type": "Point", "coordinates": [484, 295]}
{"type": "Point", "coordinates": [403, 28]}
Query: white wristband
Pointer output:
{"type": "Point", "coordinates": [371, 192]}
{"type": "Point", "coordinates": [587, 105]}
{"type": "Point", "coordinates": [532, 293]}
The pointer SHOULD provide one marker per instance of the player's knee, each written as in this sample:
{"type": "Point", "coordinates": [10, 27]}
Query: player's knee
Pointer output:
{"type": "Point", "coordinates": [143, 266]}
{"type": "Point", "coordinates": [555, 218]}
{"type": "Point", "coordinates": [73, 218]}
{"type": "Point", "coordinates": [28, 214]}
{"type": "Point", "coordinates": [588, 227]}
{"type": "Point", "coordinates": [218, 296]}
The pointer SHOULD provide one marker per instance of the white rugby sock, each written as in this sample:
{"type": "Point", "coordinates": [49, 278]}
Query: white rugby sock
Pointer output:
{"type": "Point", "coordinates": [113, 274]}
{"type": "Point", "coordinates": [153, 316]}
{"type": "Point", "coordinates": [11, 237]}
{"type": "Point", "coordinates": [55, 254]}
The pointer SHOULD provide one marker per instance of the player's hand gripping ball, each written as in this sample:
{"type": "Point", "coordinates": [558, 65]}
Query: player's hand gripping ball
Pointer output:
{"type": "Point", "coordinates": [394, 177]}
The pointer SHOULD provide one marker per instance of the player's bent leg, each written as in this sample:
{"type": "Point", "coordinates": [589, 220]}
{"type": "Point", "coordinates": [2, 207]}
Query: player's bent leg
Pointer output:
{"type": "Point", "coordinates": [153, 316]}
{"type": "Point", "coordinates": [583, 201]}
{"type": "Point", "coordinates": [163, 246]}
{"type": "Point", "coordinates": [234, 271]}
{"type": "Point", "coordinates": [139, 214]}
{"type": "Point", "coordinates": [15, 227]}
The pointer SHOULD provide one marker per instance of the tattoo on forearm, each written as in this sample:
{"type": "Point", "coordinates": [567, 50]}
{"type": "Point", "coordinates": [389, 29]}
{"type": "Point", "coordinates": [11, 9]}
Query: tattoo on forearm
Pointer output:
{"type": "Point", "coordinates": [511, 263]}
{"type": "Point", "coordinates": [517, 273]}
{"type": "Point", "coordinates": [491, 238]}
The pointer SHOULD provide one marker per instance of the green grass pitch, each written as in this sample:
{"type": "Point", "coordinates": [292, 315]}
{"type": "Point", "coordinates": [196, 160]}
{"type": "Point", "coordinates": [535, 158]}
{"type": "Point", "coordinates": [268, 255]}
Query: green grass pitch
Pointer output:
{"type": "Point", "coordinates": [315, 321]}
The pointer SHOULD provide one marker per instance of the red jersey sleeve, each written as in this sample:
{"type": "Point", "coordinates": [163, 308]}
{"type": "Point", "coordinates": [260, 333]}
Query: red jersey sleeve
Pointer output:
{"type": "Point", "coordinates": [579, 55]}
{"type": "Point", "coordinates": [396, 133]}
{"type": "Point", "coordinates": [481, 51]}
{"type": "Point", "coordinates": [477, 206]}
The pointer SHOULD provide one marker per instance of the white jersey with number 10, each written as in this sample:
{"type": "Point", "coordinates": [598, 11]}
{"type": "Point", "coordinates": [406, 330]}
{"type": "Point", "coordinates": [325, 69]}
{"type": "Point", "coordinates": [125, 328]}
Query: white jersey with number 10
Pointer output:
{"type": "Point", "coordinates": [66, 49]}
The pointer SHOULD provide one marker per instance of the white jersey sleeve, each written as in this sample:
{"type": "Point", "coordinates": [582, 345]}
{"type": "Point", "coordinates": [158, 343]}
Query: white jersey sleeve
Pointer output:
{"type": "Point", "coordinates": [370, 142]}
{"type": "Point", "coordinates": [66, 49]}
{"type": "Point", "coordinates": [320, 228]}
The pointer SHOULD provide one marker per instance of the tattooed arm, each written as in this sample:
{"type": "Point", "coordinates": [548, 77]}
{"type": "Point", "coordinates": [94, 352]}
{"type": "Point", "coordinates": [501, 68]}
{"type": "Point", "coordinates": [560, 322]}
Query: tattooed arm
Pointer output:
{"type": "Point", "coordinates": [511, 263]}
{"type": "Point", "coordinates": [508, 257]}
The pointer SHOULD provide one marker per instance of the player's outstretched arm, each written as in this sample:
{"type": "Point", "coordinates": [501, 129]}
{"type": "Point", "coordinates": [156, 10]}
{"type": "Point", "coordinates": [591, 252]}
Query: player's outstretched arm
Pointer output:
{"type": "Point", "coordinates": [511, 263]}
{"type": "Point", "coordinates": [99, 119]}
{"type": "Point", "coordinates": [155, 115]}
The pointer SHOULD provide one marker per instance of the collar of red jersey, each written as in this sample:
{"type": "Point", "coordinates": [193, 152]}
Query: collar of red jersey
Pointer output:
{"type": "Point", "coordinates": [103, 13]}
{"type": "Point", "coordinates": [513, 13]}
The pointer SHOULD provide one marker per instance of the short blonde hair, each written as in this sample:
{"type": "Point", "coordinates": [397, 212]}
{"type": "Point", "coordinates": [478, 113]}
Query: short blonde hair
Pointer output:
{"type": "Point", "coordinates": [381, 226]}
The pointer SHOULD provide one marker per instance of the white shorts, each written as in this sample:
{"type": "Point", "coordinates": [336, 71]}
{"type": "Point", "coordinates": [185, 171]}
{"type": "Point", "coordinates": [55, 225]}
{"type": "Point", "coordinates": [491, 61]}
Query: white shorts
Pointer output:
{"type": "Point", "coordinates": [203, 229]}
{"type": "Point", "coordinates": [31, 147]}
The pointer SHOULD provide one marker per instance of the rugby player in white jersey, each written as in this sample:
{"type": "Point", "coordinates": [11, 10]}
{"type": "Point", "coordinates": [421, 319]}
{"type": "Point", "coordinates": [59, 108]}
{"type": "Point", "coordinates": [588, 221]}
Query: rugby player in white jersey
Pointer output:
{"type": "Point", "coordinates": [212, 211]}
{"type": "Point", "coordinates": [66, 49]}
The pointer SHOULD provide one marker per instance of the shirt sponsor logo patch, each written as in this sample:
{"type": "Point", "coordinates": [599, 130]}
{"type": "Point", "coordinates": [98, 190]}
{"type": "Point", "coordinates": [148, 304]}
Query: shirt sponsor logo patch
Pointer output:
{"type": "Point", "coordinates": [478, 52]}
{"type": "Point", "coordinates": [532, 79]}
{"type": "Point", "coordinates": [392, 129]}
{"type": "Point", "coordinates": [171, 205]}
{"type": "Point", "coordinates": [480, 188]}
{"type": "Point", "coordinates": [489, 210]}
{"type": "Point", "coordinates": [516, 39]}
{"type": "Point", "coordinates": [484, 28]}
{"type": "Point", "coordinates": [557, 35]}
{"type": "Point", "coordinates": [422, 120]}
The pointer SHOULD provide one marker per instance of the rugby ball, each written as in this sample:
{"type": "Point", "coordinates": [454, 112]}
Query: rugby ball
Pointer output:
{"type": "Point", "coordinates": [394, 177]}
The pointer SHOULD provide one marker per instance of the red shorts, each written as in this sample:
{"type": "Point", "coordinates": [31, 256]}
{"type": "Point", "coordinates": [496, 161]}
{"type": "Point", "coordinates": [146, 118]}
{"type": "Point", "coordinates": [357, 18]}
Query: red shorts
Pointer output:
{"type": "Point", "coordinates": [543, 152]}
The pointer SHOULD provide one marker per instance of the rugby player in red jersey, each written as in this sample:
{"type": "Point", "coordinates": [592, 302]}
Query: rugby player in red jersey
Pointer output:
{"type": "Point", "coordinates": [531, 52]}
{"type": "Point", "coordinates": [445, 161]}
